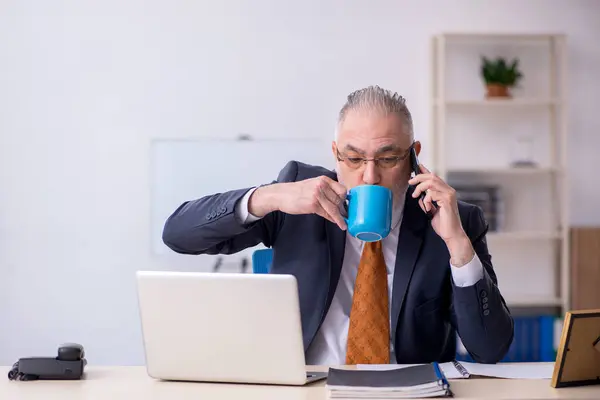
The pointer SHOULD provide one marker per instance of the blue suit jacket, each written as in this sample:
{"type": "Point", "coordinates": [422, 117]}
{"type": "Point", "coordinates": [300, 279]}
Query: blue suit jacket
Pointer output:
{"type": "Point", "coordinates": [427, 308]}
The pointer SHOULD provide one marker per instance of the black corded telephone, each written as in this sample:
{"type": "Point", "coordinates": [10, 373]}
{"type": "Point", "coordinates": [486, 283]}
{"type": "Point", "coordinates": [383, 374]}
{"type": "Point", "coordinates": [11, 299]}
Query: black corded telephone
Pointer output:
{"type": "Point", "coordinates": [414, 165]}
{"type": "Point", "coordinates": [67, 365]}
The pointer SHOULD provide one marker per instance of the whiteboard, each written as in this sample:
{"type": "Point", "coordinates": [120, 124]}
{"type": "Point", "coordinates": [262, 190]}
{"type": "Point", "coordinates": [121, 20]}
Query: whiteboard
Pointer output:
{"type": "Point", "coordinates": [183, 170]}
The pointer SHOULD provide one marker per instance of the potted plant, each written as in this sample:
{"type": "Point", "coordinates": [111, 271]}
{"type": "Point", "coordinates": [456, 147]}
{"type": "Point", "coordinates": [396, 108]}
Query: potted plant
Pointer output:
{"type": "Point", "coordinates": [499, 76]}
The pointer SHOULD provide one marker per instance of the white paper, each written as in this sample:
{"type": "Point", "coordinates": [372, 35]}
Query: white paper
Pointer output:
{"type": "Point", "coordinates": [519, 370]}
{"type": "Point", "coordinates": [542, 370]}
{"type": "Point", "coordinates": [447, 368]}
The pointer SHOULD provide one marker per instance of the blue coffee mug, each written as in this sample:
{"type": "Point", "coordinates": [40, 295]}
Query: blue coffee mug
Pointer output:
{"type": "Point", "coordinates": [369, 212]}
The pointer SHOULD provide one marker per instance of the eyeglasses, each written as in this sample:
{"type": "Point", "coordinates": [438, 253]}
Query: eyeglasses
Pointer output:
{"type": "Point", "coordinates": [381, 162]}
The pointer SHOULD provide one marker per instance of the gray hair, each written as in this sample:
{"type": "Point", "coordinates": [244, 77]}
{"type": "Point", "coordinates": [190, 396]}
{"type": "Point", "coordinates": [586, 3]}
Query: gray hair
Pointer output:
{"type": "Point", "coordinates": [374, 98]}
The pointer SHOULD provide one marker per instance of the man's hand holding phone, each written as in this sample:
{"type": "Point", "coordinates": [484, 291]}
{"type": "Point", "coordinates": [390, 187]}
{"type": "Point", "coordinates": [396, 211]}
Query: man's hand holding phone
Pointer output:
{"type": "Point", "coordinates": [445, 219]}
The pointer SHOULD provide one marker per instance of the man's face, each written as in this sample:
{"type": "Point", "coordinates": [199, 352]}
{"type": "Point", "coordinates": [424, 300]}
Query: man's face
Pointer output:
{"type": "Point", "coordinates": [373, 135]}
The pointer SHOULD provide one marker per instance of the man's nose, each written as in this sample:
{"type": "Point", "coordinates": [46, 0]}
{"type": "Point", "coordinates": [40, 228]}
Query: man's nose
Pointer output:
{"type": "Point", "coordinates": [371, 174]}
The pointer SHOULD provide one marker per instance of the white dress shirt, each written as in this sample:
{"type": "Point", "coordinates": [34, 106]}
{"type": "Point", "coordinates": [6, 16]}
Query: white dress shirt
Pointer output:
{"type": "Point", "coordinates": [329, 344]}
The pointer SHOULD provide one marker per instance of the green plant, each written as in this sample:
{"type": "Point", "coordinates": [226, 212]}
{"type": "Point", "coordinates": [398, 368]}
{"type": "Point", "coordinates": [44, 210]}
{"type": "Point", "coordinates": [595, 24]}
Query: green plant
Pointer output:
{"type": "Point", "coordinates": [499, 72]}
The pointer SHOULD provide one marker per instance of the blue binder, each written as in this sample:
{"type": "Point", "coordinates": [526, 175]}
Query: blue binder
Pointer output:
{"type": "Point", "coordinates": [261, 261]}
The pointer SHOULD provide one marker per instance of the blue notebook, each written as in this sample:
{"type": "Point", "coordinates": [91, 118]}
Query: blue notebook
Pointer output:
{"type": "Point", "coordinates": [419, 381]}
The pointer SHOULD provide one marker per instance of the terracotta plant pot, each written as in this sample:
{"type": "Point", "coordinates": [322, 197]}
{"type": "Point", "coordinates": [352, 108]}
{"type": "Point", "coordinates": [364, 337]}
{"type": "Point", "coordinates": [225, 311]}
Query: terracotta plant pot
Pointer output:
{"type": "Point", "coordinates": [495, 90]}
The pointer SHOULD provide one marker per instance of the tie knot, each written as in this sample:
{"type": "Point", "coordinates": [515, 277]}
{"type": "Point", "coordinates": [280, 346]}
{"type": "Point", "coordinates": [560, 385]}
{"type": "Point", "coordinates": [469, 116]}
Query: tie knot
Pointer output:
{"type": "Point", "coordinates": [374, 247]}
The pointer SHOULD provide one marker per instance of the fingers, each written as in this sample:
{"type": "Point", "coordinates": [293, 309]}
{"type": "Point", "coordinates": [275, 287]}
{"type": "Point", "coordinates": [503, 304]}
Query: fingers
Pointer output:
{"type": "Point", "coordinates": [329, 211]}
{"type": "Point", "coordinates": [422, 205]}
{"type": "Point", "coordinates": [333, 211]}
{"type": "Point", "coordinates": [437, 192]}
{"type": "Point", "coordinates": [339, 189]}
{"type": "Point", "coordinates": [428, 202]}
{"type": "Point", "coordinates": [320, 211]}
{"type": "Point", "coordinates": [330, 195]}
{"type": "Point", "coordinates": [423, 169]}
{"type": "Point", "coordinates": [420, 178]}
{"type": "Point", "coordinates": [428, 182]}
{"type": "Point", "coordinates": [327, 192]}
{"type": "Point", "coordinates": [422, 187]}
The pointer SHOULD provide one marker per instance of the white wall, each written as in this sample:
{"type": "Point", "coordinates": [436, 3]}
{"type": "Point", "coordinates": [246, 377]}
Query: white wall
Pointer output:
{"type": "Point", "coordinates": [85, 85]}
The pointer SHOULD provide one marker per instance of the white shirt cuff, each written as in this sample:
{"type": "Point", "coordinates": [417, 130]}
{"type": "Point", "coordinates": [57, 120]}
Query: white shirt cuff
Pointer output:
{"type": "Point", "coordinates": [469, 274]}
{"type": "Point", "coordinates": [241, 209]}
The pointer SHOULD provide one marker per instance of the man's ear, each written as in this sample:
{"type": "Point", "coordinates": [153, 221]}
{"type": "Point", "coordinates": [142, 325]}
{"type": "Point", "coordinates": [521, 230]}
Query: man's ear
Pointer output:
{"type": "Point", "coordinates": [334, 150]}
{"type": "Point", "coordinates": [417, 147]}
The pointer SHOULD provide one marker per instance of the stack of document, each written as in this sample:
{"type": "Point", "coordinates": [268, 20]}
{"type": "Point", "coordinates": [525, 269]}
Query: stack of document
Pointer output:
{"type": "Point", "coordinates": [419, 381]}
{"type": "Point", "coordinates": [463, 370]}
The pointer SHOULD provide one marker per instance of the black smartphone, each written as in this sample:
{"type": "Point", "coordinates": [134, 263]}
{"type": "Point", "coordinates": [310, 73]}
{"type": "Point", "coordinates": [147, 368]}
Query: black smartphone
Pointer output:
{"type": "Point", "coordinates": [414, 165]}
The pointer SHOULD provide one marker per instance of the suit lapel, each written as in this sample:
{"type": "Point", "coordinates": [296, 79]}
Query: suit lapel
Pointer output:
{"type": "Point", "coordinates": [410, 239]}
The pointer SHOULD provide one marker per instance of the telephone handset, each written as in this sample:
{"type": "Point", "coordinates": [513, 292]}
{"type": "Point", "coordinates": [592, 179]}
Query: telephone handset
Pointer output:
{"type": "Point", "coordinates": [414, 165]}
{"type": "Point", "coordinates": [67, 365]}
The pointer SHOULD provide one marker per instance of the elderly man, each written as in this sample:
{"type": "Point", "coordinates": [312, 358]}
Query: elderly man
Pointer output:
{"type": "Point", "coordinates": [435, 273]}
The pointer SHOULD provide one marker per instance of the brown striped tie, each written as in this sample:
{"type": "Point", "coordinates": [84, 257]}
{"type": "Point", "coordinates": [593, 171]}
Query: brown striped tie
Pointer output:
{"type": "Point", "coordinates": [369, 330]}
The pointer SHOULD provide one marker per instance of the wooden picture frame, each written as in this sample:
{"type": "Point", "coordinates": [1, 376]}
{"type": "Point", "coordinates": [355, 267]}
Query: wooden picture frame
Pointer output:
{"type": "Point", "coordinates": [578, 357]}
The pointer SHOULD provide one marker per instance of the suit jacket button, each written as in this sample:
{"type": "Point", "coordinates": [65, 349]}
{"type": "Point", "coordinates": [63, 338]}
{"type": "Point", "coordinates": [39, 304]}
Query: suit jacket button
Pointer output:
{"type": "Point", "coordinates": [486, 312]}
{"type": "Point", "coordinates": [484, 300]}
{"type": "Point", "coordinates": [483, 293]}
{"type": "Point", "coordinates": [486, 306]}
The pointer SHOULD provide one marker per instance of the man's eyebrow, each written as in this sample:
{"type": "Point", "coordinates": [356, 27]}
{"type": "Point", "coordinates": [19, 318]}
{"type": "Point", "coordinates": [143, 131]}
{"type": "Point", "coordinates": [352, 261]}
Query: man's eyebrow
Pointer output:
{"type": "Point", "coordinates": [349, 147]}
{"type": "Point", "coordinates": [389, 147]}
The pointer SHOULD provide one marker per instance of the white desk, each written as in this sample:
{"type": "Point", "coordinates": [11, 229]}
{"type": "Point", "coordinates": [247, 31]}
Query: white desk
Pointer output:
{"type": "Point", "coordinates": [132, 383]}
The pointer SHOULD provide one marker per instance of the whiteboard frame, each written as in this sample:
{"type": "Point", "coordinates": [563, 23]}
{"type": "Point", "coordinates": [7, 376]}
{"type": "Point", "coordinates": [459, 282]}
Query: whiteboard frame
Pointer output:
{"type": "Point", "coordinates": [181, 260]}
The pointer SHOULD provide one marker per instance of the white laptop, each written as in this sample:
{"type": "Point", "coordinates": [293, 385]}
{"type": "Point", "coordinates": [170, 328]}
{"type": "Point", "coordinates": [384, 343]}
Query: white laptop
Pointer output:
{"type": "Point", "coordinates": [222, 327]}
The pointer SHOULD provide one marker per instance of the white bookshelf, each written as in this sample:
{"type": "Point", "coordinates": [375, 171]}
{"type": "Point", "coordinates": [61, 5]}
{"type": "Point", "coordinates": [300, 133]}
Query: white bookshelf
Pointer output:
{"type": "Point", "coordinates": [474, 140]}
{"type": "Point", "coordinates": [524, 235]}
{"type": "Point", "coordinates": [513, 103]}
{"type": "Point", "coordinates": [504, 171]}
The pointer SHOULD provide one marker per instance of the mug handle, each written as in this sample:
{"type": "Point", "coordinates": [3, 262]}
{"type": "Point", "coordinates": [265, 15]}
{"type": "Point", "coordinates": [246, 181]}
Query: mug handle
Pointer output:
{"type": "Point", "coordinates": [347, 199]}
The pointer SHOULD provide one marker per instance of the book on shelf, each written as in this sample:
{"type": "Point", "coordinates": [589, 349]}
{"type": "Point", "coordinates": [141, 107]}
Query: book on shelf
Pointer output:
{"type": "Point", "coordinates": [488, 198]}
